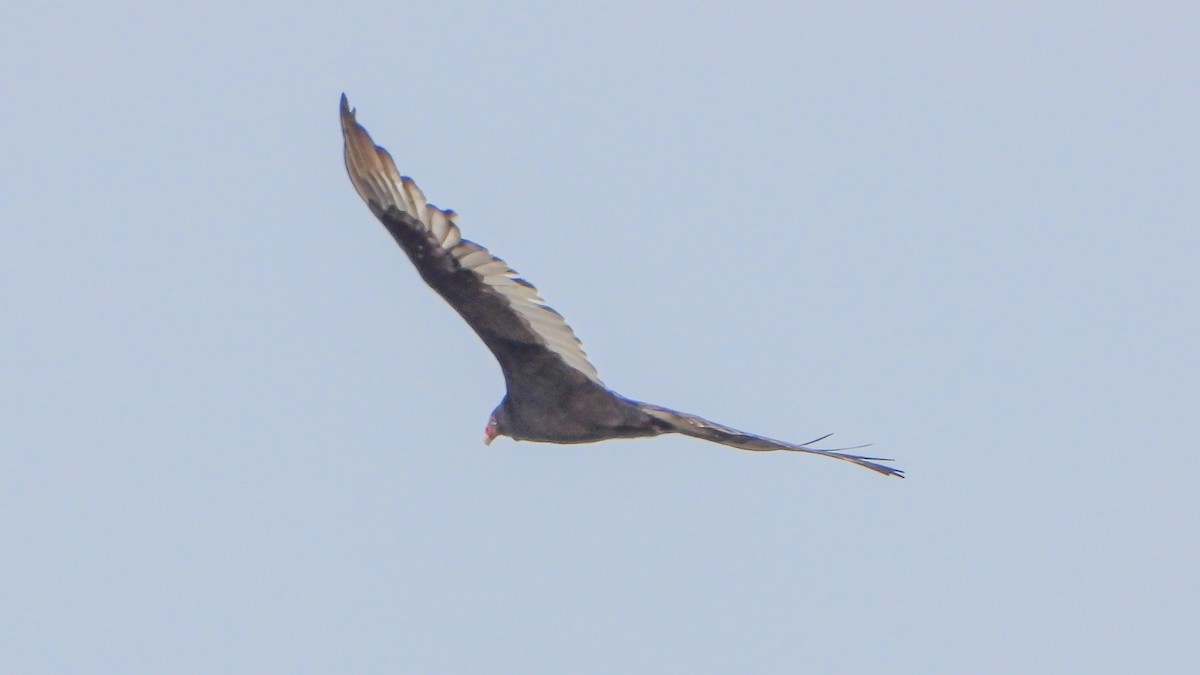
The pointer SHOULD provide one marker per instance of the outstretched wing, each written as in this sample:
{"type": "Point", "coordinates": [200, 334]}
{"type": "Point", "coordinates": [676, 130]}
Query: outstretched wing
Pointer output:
{"type": "Point", "coordinates": [531, 341]}
{"type": "Point", "coordinates": [698, 427]}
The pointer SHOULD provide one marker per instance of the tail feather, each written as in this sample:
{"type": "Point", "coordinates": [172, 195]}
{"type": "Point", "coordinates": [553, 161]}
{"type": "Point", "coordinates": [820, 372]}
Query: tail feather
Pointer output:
{"type": "Point", "coordinates": [698, 427]}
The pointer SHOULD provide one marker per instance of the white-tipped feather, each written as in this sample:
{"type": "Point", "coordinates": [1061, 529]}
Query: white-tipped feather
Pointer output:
{"type": "Point", "coordinates": [416, 200]}
{"type": "Point", "coordinates": [492, 270]}
{"type": "Point", "coordinates": [439, 224]}
{"type": "Point", "coordinates": [475, 259]}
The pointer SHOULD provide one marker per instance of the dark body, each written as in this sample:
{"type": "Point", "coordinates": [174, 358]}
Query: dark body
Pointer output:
{"type": "Point", "coordinates": [546, 401]}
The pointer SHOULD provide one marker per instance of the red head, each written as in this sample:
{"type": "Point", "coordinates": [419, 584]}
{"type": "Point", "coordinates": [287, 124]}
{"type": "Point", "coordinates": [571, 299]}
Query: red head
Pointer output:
{"type": "Point", "coordinates": [491, 431]}
{"type": "Point", "coordinates": [497, 424]}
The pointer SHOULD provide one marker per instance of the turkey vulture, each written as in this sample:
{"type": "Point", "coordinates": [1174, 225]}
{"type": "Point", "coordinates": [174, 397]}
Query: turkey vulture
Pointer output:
{"type": "Point", "coordinates": [554, 393]}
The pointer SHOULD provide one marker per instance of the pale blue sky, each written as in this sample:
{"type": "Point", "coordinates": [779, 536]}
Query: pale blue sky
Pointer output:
{"type": "Point", "coordinates": [238, 434]}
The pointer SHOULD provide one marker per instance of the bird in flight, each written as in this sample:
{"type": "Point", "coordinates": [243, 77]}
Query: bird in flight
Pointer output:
{"type": "Point", "coordinates": [554, 393]}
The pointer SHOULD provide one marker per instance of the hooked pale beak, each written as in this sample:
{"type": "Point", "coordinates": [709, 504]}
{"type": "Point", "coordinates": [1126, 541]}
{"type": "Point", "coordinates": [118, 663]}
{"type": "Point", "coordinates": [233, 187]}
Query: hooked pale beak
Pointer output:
{"type": "Point", "coordinates": [488, 437]}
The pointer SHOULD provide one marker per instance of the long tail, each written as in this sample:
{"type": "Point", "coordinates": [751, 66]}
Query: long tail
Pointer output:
{"type": "Point", "coordinates": [698, 427]}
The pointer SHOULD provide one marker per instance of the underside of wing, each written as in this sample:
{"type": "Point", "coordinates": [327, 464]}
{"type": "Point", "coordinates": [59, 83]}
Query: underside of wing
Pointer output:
{"type": "Point", "coordinates": [528, 338]}
{"type": "Point", "coordinates": [698, 427]}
